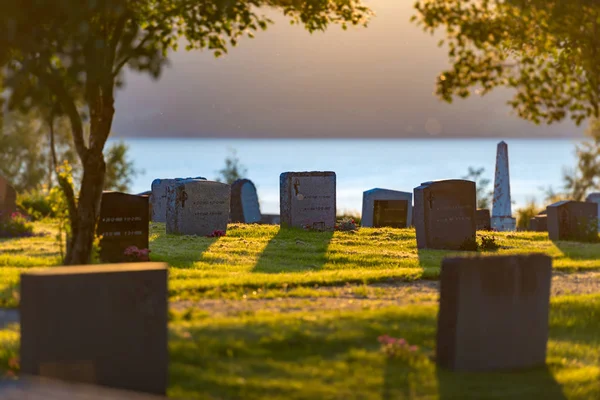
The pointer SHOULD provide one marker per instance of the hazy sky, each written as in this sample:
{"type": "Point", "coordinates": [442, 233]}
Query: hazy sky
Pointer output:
{"type": "Point", "coordinates": [364, 82]}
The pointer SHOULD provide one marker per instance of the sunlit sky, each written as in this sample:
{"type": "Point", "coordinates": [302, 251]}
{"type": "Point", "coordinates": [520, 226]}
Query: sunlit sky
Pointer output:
{"type": "Point", "coordinates": [364, 82]}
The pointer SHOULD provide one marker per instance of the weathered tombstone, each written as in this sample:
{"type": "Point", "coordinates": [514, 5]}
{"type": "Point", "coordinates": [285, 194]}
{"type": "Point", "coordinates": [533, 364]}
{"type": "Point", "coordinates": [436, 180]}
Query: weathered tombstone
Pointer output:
{"type": "Point", "coordinates": [158, 198]}
{"type": "Point", "coordinates": [123, 223]}
{"type": "Point", "coordinates": [595, 198]}
{"type": "Point", "coordinates": [97, 324]}
{"type": "Point", "coordinates": [493, 312]}
{"type": "Point", "coordinates": [244, 205]}
{"type": "Point", "coordinates": [308, 199]}
{"type": "Point", "coordinates": [196, 207]}
{"type": "Point", "coordinates": [270, 219]}
{"type": "Point", "coordinates": [483, 220]}
{"type": "Point", "coordinates": [539, 223]}
{"type": "Point", "coordinates": [445, 215]}
{"type": "Point", "coordinates": [8, 199]}
{"type": "Point", "coordinates": [573, 220]}
{"type": "Point", "coordinates": [394, 208]}
{"type": "Point", "coordinates": [502, 219]}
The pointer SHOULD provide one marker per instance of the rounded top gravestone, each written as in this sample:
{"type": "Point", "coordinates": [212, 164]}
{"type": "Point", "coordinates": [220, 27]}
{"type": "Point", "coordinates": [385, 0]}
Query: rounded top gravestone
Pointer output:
{"type": "Point", "coordinates": [244, 206]}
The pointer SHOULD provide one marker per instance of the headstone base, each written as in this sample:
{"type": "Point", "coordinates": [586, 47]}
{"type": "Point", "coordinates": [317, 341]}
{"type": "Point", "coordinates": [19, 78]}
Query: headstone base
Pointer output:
{"type": "Point", "coordinates": [504, 224]}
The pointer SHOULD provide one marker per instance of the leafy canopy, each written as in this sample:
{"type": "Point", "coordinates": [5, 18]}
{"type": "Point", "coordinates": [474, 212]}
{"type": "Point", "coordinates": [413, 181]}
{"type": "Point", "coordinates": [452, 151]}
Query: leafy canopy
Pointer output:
{"type": "Point", "coordinates": [548, 50]}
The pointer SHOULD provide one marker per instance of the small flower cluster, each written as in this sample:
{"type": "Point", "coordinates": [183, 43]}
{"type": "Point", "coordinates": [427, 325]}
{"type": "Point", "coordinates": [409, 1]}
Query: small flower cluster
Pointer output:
{"type": "Point", "coordinates": [17, 225]}
{"type": "Point", "coordinates": [135, 254]}
{"type": "Point", "coordinates": [216, 233]}
{"type": "Point", "coordinates": [346, 224]}
{"type": "Point", "coordinates": [13, 367]}
{"type": "Point", "coordinates": [396, 347]}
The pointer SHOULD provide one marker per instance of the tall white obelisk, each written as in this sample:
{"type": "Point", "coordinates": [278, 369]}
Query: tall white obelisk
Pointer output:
{"type": "Point", "coordinates": [502, 219]}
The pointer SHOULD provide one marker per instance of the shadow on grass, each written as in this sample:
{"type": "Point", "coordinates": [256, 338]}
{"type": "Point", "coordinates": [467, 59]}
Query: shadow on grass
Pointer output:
{"type": "Point", "coordinates": [578, 250]}
{"type": "Point", "coordinates": [178, 251]}
{"type": "Point", "coordinates": [294, 250]}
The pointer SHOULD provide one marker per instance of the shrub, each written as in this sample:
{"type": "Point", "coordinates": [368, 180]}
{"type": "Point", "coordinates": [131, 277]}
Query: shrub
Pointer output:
{"type": "Point", "coordinates": [525, 214]}
{"type": "Point", "coordinates": [16, 225]}
{"type": "Point", "coordinates": [489, 243]}
{"type": "Point", "coordinates": [36, 203]}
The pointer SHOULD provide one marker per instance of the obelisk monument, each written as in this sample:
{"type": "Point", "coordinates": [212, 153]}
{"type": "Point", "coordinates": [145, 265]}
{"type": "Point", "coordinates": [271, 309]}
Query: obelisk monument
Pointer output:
{"type": "Point", "coordinates": [502, 219]}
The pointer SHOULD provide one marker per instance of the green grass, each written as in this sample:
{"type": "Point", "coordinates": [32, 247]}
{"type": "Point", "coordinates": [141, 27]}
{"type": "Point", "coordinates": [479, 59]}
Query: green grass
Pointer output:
{"type": "Point", "coordinates": [278, 262]}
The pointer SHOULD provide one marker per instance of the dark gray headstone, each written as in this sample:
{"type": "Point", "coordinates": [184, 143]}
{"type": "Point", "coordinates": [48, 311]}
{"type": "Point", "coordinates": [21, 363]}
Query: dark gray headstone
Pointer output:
{"type": "Point", "coordinates": [8, 199]}
{"type": "Point", "coordinates": [390, 213]}
{"type": "Point", "coordinates": [244, 206]}
{"type": "Point", "coordinates": [483, 220]}
{"type": "Point", "coordinates": [445, 215]}
{"type": "Point", "coordinates": [573, 220]}
{"type": "Point", "coordinates": [270, 219]}
{"type": "Point", "coordinates": [97, 324]}
{"type": "Point", "coordinates": [494, 312]}
{"type": "Point", "coordinates": [124, 222]}
{"type": "Point", "coordinates": [308, 199]}
{"type": "Point", "coordinates": [373, 195]}
{"type": "Point", "coordinates": [539, 223]}
{"type": "Point", "coordinates": [196, 207]}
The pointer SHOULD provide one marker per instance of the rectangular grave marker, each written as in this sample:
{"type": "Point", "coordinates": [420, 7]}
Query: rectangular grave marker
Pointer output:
{"type": "Point", "coordinates": [124, 222]}
{"type": "Point", "coordinates": [405, 209]}
{"type": "Point", "coordinates": [483, 220]}
{"type": "Point", "coordinates": [573, 220]}
{"type": "Point", "coordinates": [494, 312]}
{"type": "Point", "coordinates": [98, 324]}
{"type": "Point", "coordinates": [308, 199]}
{"type": "Point", "coordinates": [390, 213]}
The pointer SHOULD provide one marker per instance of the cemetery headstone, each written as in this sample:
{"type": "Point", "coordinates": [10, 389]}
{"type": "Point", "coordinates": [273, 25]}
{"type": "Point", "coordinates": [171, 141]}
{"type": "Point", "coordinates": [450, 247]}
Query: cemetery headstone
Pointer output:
{"type": "Point", "coordinates": [539, 223]}
{"type": "Point", "coordinates": [308, 199]}
{"type": "Point", "coordinates": [124, 222]}
{"type": "Point", "coordinates": [196, 207]}
{"type": "Point", "coordinates": [483, 220]}
{"type": "Point", "coordinates": [158, 198]}
{"type": "Point", "coordinates": [394, 208]}
{"type": "Point", "coordinates": [97, 324]}
{"type": "Point", "coordinates": [573, 220]}
{"type": "Point", "coordinates": [493, 312]}
{"type": "Point", "coordinates": [502, 219]}
{"type": "Point", "coordinates": [445, 215]}
{"type": "Point", "coordinates": [8, 199]}
{"type": "Point", "coordinates": [270, 219]}
{"type": "Point", "coordinates": [244, 207]}
{"type": "Point", "coordinates": [595, 198]}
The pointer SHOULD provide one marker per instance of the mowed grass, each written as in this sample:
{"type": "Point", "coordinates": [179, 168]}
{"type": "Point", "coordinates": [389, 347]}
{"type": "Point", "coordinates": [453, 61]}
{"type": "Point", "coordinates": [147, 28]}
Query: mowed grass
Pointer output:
{"type": "Point", "coordinates": [276, 262]}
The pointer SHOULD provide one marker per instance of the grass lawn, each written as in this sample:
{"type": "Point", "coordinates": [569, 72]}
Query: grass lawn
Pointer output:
{"type": "Point", "coordinates": [321, 350]}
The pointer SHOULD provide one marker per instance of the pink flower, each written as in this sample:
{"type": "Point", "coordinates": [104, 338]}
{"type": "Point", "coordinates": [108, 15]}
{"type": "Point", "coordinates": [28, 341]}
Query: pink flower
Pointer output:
{"type": "Point", "coordinates": [413, 348]}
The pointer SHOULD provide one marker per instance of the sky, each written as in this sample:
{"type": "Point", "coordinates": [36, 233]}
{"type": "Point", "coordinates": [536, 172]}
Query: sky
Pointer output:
{"type": "Point", "coordinates": [374, 82]}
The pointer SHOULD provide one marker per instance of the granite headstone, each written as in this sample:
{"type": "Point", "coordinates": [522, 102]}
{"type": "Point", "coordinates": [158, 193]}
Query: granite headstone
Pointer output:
{"type": "Point", "coordinates": [493, 312]}
{"type": "Point", "coordinates": [445, 215]}
{"type": "Point", "coordinates": [97, 324]}
{"type": "Point", "coordinates": [8, 199]}
{"type": "Point", "coordinates": [158, 198]}
{"type": "Point", "coordinates": [397, 213]}
{"type": "Point", "coordinates": [196, 207]}
{"type": "Point", "coordinates": [244, 207]}
{"type": "Point", "coordinates": [539, 223]}
{"type": "Point", "coordinates": [123, 223]}
{"type": "Point", "coordinates": [573, 220]}
{"type": "Point", "coordinates": [308, 199]}
{"type": "Point", "coordinates": [483, 220]}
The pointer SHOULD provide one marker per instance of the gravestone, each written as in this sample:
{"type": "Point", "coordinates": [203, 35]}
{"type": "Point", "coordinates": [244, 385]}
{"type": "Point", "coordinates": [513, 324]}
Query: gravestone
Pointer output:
{"type": "Point", "coordinates": [8, 199]}
{"type": "Point", "coordinates": [502, 219]}
{"type": "Point", "coordinates": [196, 207]}
{"type": "Point", "coordinates": [595, 198]}
{"type": "Point", "coordinates": [573, 220]}
{"type": "Point", "coordinates": [158, 198]}
{"type": "Point", "coordinates": [244, 205]}
{"type": "Point", "coordinates": [539, 223]}
{"type": "Point", "coordinates": [97, 324]}
{"type": "Point", "coordinates": [483, 220]}
{"type": "Point", "coordinates": [308, 199]}
{"type": "Point", "coordinates": [123, 222]}
{"type": "Point", "coordinates": [493, 312]}
{"type": "Point", "coordinates": [445, 215]}
{"type": "Point", "coordinates": [394, 207]}
{"type": "Point", "coordinates": [270, 219]}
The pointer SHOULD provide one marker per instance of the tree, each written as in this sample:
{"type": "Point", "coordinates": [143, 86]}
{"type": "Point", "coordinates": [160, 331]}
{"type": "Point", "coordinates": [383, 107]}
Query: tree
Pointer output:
{"type": "Point", "coordinates": [482, 192]}
{"type": "Point", "coordinates": [75, 53]}
{"type": "Point", "coordinates": [586, 176]}
{"type": "Point", "coordinates": [120, 170]}
{"type": "Point", "coordinates": [233, 170]}
{"type": "Point", "coordinates": [548, 51]}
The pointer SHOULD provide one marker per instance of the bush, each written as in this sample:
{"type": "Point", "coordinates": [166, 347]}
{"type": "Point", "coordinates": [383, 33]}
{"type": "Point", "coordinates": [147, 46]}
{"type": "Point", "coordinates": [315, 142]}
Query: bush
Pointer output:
{"type": "Point", "coordinates": [36, 203]}
{"type": "Point", "coordinates": [525, 214]}
{"type": "Point", "coordinates": [16, 225]}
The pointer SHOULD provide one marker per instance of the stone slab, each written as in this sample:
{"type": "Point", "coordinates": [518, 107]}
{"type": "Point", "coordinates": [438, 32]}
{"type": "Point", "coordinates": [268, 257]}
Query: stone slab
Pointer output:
{"type": "Point", "coordinates": [493, 312]}
{"type": "Point", "coordinates": [123, 222]}
{"type": "Point", "coordinates": [244, 207]}
{"type": "Point", "coordinates": [445, 215]}
{"type": "Point", "coordinates": [368, 206]}
{"type": "Point", "coordinates": [159, 194]}
{"type": "Point", "coordinates": [573, 220]}
{"type": "Point", "coordinates": [308, 199]}
{"type": "Point", "coordinates": [483, 220]}
{"type": "Point", "coordinates": [539, 223]}
{"type": "Point", "coordinates": [97, 324]}
{"type": "Point", "coordinates": [196, 207]}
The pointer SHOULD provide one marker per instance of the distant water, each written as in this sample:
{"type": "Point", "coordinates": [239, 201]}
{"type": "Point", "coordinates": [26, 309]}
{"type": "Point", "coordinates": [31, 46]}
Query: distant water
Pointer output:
{"type": "Point", "coordinates": [359, 164]}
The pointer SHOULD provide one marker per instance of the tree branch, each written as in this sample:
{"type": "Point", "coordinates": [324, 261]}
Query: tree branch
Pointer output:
{"type": "Point", "coordinates": [131, 54]}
